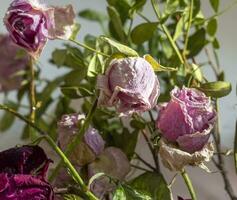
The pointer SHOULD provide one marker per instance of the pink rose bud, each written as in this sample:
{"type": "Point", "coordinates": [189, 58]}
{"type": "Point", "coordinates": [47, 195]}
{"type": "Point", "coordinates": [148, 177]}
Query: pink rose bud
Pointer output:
{"type": "Point", "coordinates": [114, 163]}
{"type": "Point", "coordinates": [130, 84]}
{"type": "Point", "coordinates": [91, 146]}
{"type": "Point", "coordinates": [31, 24]}
{"type": "Point", "coordinates": [10, 64]}
{"type": "Point", "coordinates": [187, 119]}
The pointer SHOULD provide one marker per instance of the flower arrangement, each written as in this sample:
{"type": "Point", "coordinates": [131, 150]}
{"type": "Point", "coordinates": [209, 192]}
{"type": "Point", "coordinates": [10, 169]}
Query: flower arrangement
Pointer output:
{"type": "Point", "coordinates": [123, 94]}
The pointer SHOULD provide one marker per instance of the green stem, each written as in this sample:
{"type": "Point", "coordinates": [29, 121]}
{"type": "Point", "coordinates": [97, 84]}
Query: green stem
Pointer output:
{"type": "Point", "coordinates": [189, 184]}
{"type": "Point", "coordinates": [166, 31]}
{"type": "Point", "coordinates": [32, 96]}
{"type": "Point", "coordinates": [89, 48]}
{"type": "Point", "coordinates": [77, 139]}
{"type": "Point", "coordinates": [188, 29]}
{"type": "Point", "coordinates": [73, 171]}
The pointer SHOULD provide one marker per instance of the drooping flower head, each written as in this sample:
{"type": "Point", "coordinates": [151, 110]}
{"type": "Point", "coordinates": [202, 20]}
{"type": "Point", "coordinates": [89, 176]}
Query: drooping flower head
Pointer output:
{"type": "Point", "coordinates": [130, 84]}
{"type": "Point", "coordinates": [10, 64]}
{"type": "Point", "coordinates": [91, 146]}
{"type": "Point", "coordinates": [22, 174]}
{"type": "Point", "coordinates": [186, 123]}
{"type": "Point", "coordinates": [31, 24]}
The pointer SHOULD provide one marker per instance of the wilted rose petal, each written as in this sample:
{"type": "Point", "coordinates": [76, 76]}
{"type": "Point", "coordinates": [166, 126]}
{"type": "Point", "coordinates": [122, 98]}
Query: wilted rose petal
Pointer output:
{"type": "Point", "coordinates": [175, 159]}
{"type": "Point", "coordinates": [19, 187]}
{"type": "Point", "coordinates": [24, 160]}
{"type": "Point", "coordinates": [130, 84]}
{"type": "Point", "coordinates": [187, 119]}
{"type": "Point", "coordinates": [114, 163]}
{"type": "Point", "coordinates": [10, 64]}
{"type": "Point", "coordinates": [31, 24]}
{"type": "Point", "coordinates": [91, 146]}
{"type": "Point", "coordinates": [63, 18]}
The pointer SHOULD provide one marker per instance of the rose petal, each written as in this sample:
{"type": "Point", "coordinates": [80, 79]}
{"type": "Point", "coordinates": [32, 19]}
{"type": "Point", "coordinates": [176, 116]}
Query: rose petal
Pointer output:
{"type": "Point", "coordinates": [176, 159]}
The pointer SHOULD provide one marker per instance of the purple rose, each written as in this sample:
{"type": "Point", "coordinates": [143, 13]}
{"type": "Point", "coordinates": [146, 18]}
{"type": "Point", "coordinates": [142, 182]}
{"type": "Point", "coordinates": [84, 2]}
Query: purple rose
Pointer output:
{"type": "Point", "coordinates": [90, 147]}
{"type": "Point", "coordinates": [31, 24]}
{"type": "Point", "coordinates": [10, 64]}
{"type": "Point", "coordinates": [130, 84]}
{"type": "Point", "coordinates": [187, 119]}
{"type": "Point", "coordinates": [114, 163]}
{"type": "Point", "coordinates": [27, 187]}
{"type": "Point", "coordinates": [24, 160]}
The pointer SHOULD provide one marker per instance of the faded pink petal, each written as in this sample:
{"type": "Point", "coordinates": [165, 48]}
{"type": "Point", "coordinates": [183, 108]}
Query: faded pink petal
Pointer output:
{"type": "Point", "coordinates": [114, 163]}
{"type": "Point", "coordinates": [10, 64]}
{"type": "Point", "coordinates": [130, 84]}
{"type": "Point", "coordinates": [187, 119]}
{"type": "Point", "coordinates": [90, 147]}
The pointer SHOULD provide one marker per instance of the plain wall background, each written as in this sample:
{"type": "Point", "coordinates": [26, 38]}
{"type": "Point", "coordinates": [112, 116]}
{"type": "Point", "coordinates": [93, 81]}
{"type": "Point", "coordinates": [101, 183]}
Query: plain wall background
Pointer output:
{"type": "Point", "coordinates": [208, 186]}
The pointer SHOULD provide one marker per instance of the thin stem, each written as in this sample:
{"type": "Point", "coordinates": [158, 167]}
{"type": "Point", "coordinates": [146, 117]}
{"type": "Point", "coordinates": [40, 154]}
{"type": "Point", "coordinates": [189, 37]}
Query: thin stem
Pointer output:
{"type": "Point", "coordinates": [143, 17]}
{"type": "Point", "coordinates": [145, 162]}
{"type": "Point", "coordinates": [77, 139]}
{"type": "Point", "coordinates": [32, 96]}
{"type": "Point", "coordinates": [64, 158]}
{"type": "Point", "coordinates": [189, 184]}
{"type": "Point", "coordinates": [89, 48]}
{"type": "Point", "coordinates": [188, 28]}
{"type": "Point", "coordinates": [155, 158]}
{"type": "Point", "coordinates": [221, 163]}
{"type": "Point", "coordinates": [166, 31]}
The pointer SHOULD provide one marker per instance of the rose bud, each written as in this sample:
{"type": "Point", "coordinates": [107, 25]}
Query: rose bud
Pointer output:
{"type": "Point", "coordinates": [130, 84]}
{"type": "Point", "coordinates": [31, 24]}
{"type": "Point", "coordinates": [185, 124]}
{"type": "Point", "coordinates": [20, 186]}
{"type": "Point", "coordinates": [90, 147]}
{"type": "Point", "coordinates": [24, 160]}
{"type": "Point", "coordinates": [114, 163]}
{"type": "Point", "coordinates": [10, 64]}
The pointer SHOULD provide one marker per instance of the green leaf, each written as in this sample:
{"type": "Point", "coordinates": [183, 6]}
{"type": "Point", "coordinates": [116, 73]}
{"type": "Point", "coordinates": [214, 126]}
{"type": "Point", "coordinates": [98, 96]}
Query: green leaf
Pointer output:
{"type": "Point", "coordinates": [179, 28]}
{"type": "Point", "coordinates": [138, 5]}
{"type": "Point", "coordinates": [124, 192]}
{"type": "Point", "coordinates": [215, 5]}
{"type": "Point", "coordinates": [143, 32]}
{"type": "Point", "coordinates": [71, 197]}
{"type": "Point", "coordinates": [120, 47]}
{"type": "Point", "coordinates": [76, 92]}
{"type": "Point", "coordinates": [197, 72]}
{"type": "Point", "coordinates": [212, 27]}
{"type": "Point", "coordinates": [59, 56]}
{"type": "Point", "coordinates": [156, 66]}
{"type": "Point", "coordinates": [216, 89]}
{"type": "Point", "coordinates": [8, 119]}
{"type": "Point", "coordinates": [215, 44]}
{"type": "Point", "coordinates": [153, 185]}
{"type": "Point", "coordinates": [126, 141]}
{"type": "Point", "coordinates": [235, 147]}
{"type": "Point", "coordinates": [74, 77]}
{"type": "Point", "coordinates": [117, 23]}
{"type": "Point", "coordinates": [93, 15]}
{"type": "Point", "coordinates": [92, 70]}
{"type": "Point", "coordinates": [196, 42]}
{"type": "Point", "coordinates": [75, 30]}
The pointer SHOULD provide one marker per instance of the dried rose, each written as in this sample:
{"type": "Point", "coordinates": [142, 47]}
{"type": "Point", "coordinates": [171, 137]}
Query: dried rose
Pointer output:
{"type": "Point", "coordinates": [91, 146]}
{"type": "Point", "coordinates": [10, 64]}
{"type": "Point", "coordinates": [114, 163]}
{"type": "Point", "coordinates": [130, 84]}
{"type": "Point", "coordinates": [187, 119]}
{"type": "Point", "coordinates": [31, 24]}
{"type": "Point", "coordinates": [19, 187]}
{"type": "Point", "coordinates": [24, 160]}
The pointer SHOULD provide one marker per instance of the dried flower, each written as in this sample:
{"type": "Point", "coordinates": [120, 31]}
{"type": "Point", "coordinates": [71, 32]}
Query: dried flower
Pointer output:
{"type": "Point", "coordinates": [10, 64]}
{"type": "Point", "coordinates": [20, 186]}
{"type": "Point", "coordinates": [187, 119]}
{"type": "Point", "coordinates": [130, 84]}
{"type": "Point", "coordinates": [91, 146]}
{"type": "Point", "coordinates": [114, 163]}
{"type": "Point", "coordinates": [31, 24]}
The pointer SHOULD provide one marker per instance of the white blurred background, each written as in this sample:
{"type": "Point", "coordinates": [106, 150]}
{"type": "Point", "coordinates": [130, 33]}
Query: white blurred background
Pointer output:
{"type": "Point", "coordinates": [208, 186]}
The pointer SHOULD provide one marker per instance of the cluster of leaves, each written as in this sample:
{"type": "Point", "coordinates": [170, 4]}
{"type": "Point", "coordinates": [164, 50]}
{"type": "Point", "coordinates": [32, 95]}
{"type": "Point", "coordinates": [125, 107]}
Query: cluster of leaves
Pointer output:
{"type": "Point", "coordinates": [175, 38]}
